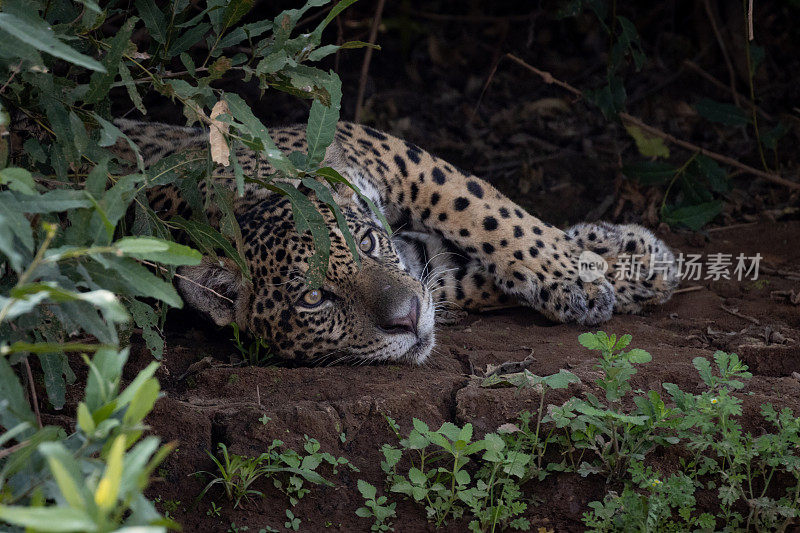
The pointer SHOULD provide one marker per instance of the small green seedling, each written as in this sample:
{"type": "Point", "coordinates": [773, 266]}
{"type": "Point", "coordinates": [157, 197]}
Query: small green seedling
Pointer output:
{"type": "Point", "coordinates": [213, 510]}
{"type": "Point", "coordinates": [292, 522]}
{"type": "Point", "coordinates": [375, 507]}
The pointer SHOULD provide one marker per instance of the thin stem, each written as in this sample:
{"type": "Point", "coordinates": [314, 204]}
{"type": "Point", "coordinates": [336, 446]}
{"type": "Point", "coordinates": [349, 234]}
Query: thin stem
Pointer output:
{"type": "Point", "coordinates": [362, 82]}
{"type": "Point", "coordinates": [750, 75]}
{"type": "Point", "coordinates": [14, 448]}
{"type": "Point", "coordinates": [32, 385]}
{"type": "Point", "coordinates": [724, 49]}
{"type": "Point", "coordinates": [677, 175]}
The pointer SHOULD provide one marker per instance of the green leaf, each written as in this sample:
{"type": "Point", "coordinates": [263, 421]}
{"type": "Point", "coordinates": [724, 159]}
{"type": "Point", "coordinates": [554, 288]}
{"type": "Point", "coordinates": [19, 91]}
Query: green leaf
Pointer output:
{"type": "Point", "coordinates": [18, 179]}
{"type": "Point", "coordinates": [142, 402]}
{"type": "Point", "coordinates": [136, 464]}
{"type": "Point", "coordinates": [208, 240]}
{"type": "Point", "coordinates": [173, 167]}
{"type": "Point", "coordinates": [629, 37]}
{"type": "Point", "coordinates": [590, 340]}
{"type": "Point", "coordinates": [109, 134]}
{"type": "Point", "coordinates": [158, 250]}
{"type": "Point", "coordinates": [367, 491]}
{"type": "Point", "coordinates": [11, 222]}
{"type": "Point", "coordinates": [727, 114]}
{"type": "Point", "coordinates": [53, 369]}
{"type": "Point", "coordinates": [146, 318]}
{"type": "Point", "coordinates": [138, 280]}
{"type": "Point", "coordinates": [113, 205]}
{"type": "Point", "coordinates": [693, 217]}
{"type": "Point", "coordinates": [8, 246]}
{"type": "Point", "coordinates": [153, 19]}
{"type": "Point", "coordinates": [274, 62]}
{"type": "Point", "coordinates": [228, 225]}
{"type": "Point", "coordinates": [13, 48]}
{"type": "Point", "coordinates": [610, 98]}
{"type": "Point", "coordinates": [140, 381]}
{"type": "Point", "coordinates": [49, 202]}
{"type": "Point", "coordinates": [234, 11]}
{"type": "Point", "coordinates": [103, 299]}
{"type": "Point", "coordinates": [770, 138]}
{"type": "Point", "coordinates": [100, 83]}
{"type": "Point", "coordinates": [322, 121]}
{"type": "Point", "coordinates": [67, 473]}
{"type": "Point", "coordinates": [308, 218]}
{"type": "Point", "coordinates": [451, 431]}
{"type": "Point", "coordinates": [238, 173]}
{"type": "Point", "coordinates": [324, 51]}
{"type": "Point", "coordinates": [85, 420]}
{"type": "Point", "coordinates": [648, 146]}
{"type": "Point", "coordinates": [17, 409]}
{"type": "Point", "coordinates": [50, 519]}
{"type": "Point", "coordinates": [187, 39]}
{"type": "Point", "coordinates": [560, 380]}
{"type": "Point", "coordinates": [252, 126]}
{"type": "Point", "coordinates": [332, 14]}
{"type": "Point", "coordinates": [715, 175]}
{"type": "Point", "coordinates": [416, 476]}
{"type": "Point", "coordinates": [325, 195]}
{"type": "Point", "coordinates": [703, 367]}
{"type": "Point", "coordinates": [41, 36]}
{"type": "Point", "coordinates": [637, 355]}
{"type": "Point", "coordinates": [105, 495]}
{"type": "Point", "coordinates": [105, 370]}
{"type": "Point", "coordinates": [333, 177]}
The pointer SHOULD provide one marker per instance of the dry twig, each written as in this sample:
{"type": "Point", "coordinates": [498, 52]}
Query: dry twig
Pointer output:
{"type": "Point", "coordinates": [362, 82]}
{"type": "Point", "coordinates": [774, 178]}
{"type": "Point", "coordinates": [8, 451]}
{"type": "Point", "coordinates": [735, 312]}
{"type": "Point", "coordinates": [693, 288]}
{"type": "Point", "coordinates": [34, 399]}
{"type": "Point", "coordinates": [721, 42]}
{"type": "Point", "coordinates": [732, 226]}
{"type": "Point", "coordinates": [714, 81]}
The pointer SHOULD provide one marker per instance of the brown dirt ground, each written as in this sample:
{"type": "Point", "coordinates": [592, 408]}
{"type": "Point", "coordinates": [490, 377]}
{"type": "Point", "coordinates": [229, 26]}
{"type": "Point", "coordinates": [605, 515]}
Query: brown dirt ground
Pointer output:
{"type": "Point", "coordinates": [222, 403]}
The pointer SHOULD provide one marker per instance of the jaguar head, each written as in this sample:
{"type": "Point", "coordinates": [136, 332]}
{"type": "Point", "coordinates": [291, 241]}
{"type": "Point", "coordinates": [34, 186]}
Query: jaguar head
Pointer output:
{"type": "Point", "coordinates": [369, 310]}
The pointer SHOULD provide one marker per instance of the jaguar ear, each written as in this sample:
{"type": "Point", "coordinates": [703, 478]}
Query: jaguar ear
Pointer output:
{"type": "Point", "coordinates": [335, 158]}
{"type": "Point", "coordinates": [217, 288]}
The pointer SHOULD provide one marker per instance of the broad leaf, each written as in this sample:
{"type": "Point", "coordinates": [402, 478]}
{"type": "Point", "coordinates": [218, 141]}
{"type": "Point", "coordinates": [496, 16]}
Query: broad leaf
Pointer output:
{"type": "Point", "coordinates": [158, 250]}
{"type": "Point", "coordinates": [727, 114]}
{"type": "Point", "coordinates": [322, 122]}
{"type": "Point", "coordinates": [693, 217]}
{"type": "Point", "coordinates": [40, 36]}
{"type": "Point", "coordinates": [649, 146]}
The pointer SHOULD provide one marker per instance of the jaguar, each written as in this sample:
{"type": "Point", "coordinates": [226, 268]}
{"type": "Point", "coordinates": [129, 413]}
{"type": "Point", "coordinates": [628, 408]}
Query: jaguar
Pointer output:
{"type": "Point", "coordinates": [455, 244]}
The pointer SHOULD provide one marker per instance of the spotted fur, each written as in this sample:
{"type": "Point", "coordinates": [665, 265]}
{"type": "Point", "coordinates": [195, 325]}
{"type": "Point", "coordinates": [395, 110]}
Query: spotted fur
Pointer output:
{"type": "Point", "coordinates": [457, 243]}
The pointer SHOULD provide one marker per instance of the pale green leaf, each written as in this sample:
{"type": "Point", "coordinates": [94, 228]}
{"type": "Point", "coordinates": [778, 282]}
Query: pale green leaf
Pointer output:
{"type": "Point", "coordinates": [48, 519]}
{"type": "Point", "coordinates": [649, 146]}
{"type": "Point", "coordinates": [158, 250]}
{"type": "Point", "coordinates": [40, 36]}
{"type": "Point", "coordinates": [18, 179]}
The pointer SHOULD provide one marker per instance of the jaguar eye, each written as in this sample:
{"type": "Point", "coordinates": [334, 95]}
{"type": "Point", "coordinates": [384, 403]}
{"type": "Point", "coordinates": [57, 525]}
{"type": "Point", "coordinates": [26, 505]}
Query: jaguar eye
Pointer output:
{"type": "Point", "coordinates": [312, 298]}
{"type": "Point", "coordinates": [367, 243]}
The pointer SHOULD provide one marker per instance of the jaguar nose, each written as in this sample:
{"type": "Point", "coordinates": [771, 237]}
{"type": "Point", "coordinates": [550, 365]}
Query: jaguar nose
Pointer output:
{"type": "Point", "coordinates": [403, 322]}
